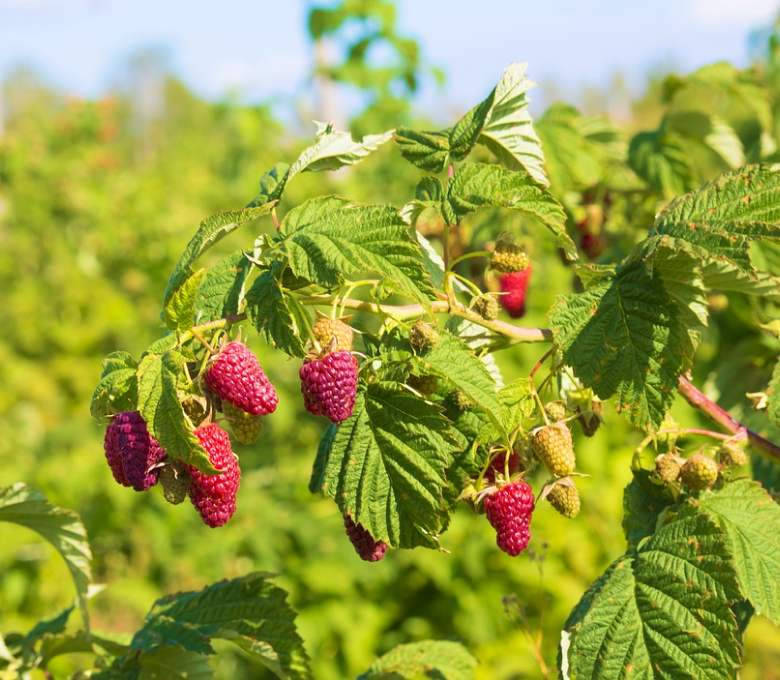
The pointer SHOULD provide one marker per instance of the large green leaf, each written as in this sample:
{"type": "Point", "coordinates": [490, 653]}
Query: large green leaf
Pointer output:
{"type": "Point", "coordinates": [476, 185]}
{"type": "Point", "coordinates": [662, 612]}
{"type": "Point", "coordinates": [118, 388]}
{"type": "Point", "coordinates": [659, 158]}
{"type": "Point", "coordinates": [159, 406]}
{"type": "Point", "coordinates": [179, 311]}
{"type": "Point", "coordinates": [643, 503]}
{"type": "Point", "coordinates": [438, 659]}
{"type": "Point", "coordinates": [387, 464]}
{"type": "Point", "coordinates": [750, 519]}
{"type": "Point", "coordinates": [625, 336]}
{"type": "Point", "coordinates": [428, 151]}
{"type": "Point", "coordinates": [62, 528]}
{"type": "Point", "coordinates": [221, 293]}
{"type": "Point", "coordinates": [329, 237]}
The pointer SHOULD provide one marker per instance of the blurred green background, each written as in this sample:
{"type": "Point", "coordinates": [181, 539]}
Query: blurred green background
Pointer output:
{"type": "Point", "coordinates": [97, 201]}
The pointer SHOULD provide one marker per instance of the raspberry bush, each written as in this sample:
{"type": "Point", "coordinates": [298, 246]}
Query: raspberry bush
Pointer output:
{"type": "Point", "coordinates": [423, 418]}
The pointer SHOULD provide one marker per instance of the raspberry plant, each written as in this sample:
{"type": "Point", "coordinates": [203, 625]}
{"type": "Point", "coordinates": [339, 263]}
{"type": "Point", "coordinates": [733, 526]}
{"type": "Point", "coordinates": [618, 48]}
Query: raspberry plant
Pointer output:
{"type": "Point", "coordinates": [423, 419]}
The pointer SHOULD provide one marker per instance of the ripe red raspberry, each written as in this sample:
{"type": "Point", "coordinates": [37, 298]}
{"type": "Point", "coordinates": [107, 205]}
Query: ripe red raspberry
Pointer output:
{"type": "Point", "coordinates": [235, 376]}
{"type": "Point", "coordinates": [130, 447]}
{"type": "Point", "coordinates": [365, 545]}
{"type": "Point", "coordinates": [509, 512]}
{"type": "Point", "coordinates": [214, 496]}
{"type": "Point", "coordinates": [515, 286]}
{"type": "Point", "coordinates": [497, 466]}
{"type": "Point", "coordinates": [329, 385]}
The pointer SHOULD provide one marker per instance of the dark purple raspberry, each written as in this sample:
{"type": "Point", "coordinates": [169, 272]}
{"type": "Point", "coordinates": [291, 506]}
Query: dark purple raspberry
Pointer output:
{"type": "Point", "coordinates": [509, 512]}
{"type": "Point", "coordinates": [515, 286]}
{"type": "Point", "coordinates": [329, 385]}
{"type": "Point", "coordinates": [235, 376]}
{"type": "Point", "coordinates": [214, 496]}
{"type": "Point", "coordinates": [129, 443]}
{"type": "Point", "coordinates": [365, 545]}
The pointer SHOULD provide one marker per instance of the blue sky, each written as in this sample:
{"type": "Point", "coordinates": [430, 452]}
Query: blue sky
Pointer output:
{"type": "Point", "coordinates": [260, 48]}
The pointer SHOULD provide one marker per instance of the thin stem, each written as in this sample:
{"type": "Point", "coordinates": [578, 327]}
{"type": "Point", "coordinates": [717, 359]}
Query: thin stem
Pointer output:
{"type": "Point", "coordinates": [468, 283]}
{"type": "Point", "coordinates": [466, 256]}
{"type": "Point", "coordinates": [727, 422]}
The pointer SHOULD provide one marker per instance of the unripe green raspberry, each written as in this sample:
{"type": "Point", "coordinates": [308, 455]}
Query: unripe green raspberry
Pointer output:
{"type": "Point", "coordinates": [699, 472]}
{"type": "Point", "coordinates": [565, 499]}
{"type": "Point", "coordinates": [175, 482]}
{"type": "Point", "coordinates": [333, 334]}
{"type": "Point", "coordinates": [667, 468]}
{"type": "Point", "coordinates": [461, 401]}
{"type": "Point", "coordinates": [508, 258]}
{"type": "Point", "coordinates": [423, 336]}
{"type": "Point", "coordinates": [555, 410]}
{"type": "Point", "coordinates": [732, 455]}
{"type": "Point", "coordinates": [554, 447]}
{"type": "Point", "coordinates": [486, 306]}
{"type": "Point", "coordinates": [245, 426]}
{"type": "Point", "coordinates": [424, 384]}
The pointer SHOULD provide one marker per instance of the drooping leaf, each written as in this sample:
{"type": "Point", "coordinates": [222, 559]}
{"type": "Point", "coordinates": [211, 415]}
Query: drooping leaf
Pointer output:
{"type": "Point", "coordinates": [428, 151]}
{"type": "Point", "coordinates": [659, 158]}
{"type": "Point", "coordinates": [211, 231]}
{"type": "Point", "coordinates": [435, 659]}
{"type": "Point", "coordinates": [478, 184]}
{"type": "Point", "coordinates": [221, 293]}
{"type": "Point", "coordinates": [118, 389]}
{"type": "Point", "coordinates": [643, 502]}
{"type": "Point", "coordinates": [750, 519]}
{"type": "Point", "coordinates": [62, 528]}
{"type": "Point", "coordinates": [662, 612]}
{"type": "Point", "coordinates": [275, 315]}
{"type": "Point", "coordinates": [159, 406]}
{"type": "Point", "coordinates": [624, 336]}
{"type": "Point", "coordinates": [179, 311]}
{"type": "Point", "coordinates": [328, 238]}
{"type": "Point", "coordinates": [386, 466]}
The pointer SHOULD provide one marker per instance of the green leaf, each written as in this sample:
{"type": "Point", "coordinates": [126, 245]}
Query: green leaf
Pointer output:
{"type": "Point", "coordinates": [220, 295]}
{"type": "Point", "coordinates": [517, 403]}
{"type": "Point", "coordinates": [179, 312]}
{"type": "Point", "coordinates": [117, 390]}
{"type": "Point", "coordinates": [477, 185]}
{"type": "Point", "coordinates": [709, 131]}
{"type": "Point", "coordinates": [175, 664]}
{"type": "Point", "coordinates": [662, 612]}
{"type": "Point", "coordinates": [275, 315]}
{"type": "Point", "coordinates": [750, 519]}
{"type": "Point", "coordinates": [211, 231]}
{"type": "Point", "coordinates": [251, 612]}
{"type": "Point", "coordinates": [429, 189]}
{"type": "Point", "coordinates": [59, 645]}
{"type": "Point", "coordinates": [272, 185]}
{"type": "Point", "coordinates": [428, 151]}
{"type": "Point", "coordinates": [660, 159]}
{"type": "Point", "coordinates": [435, 659]}
{"type": "Point", "coordinates": [386, 466]}
{"type": "Point", "coordinates": [320, 466]}
{"type": "Point", "coordinates": [773, 390]}
{"type": "Point", "coordinates": [643, 503]}
{"type": "Point", "coordinates": [328, 238]}
{"type": "Point", "coordinates": [333, 150]}
{"type": "Point", "coordinates": [62, 528]}
{"type": "Point", "coordinates": [159, 406]}
{"type": "Point", "coordinates": [624, 336]}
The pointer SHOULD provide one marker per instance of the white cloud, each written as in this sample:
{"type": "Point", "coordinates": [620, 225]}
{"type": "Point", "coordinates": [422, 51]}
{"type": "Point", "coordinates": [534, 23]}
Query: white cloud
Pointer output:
{"type": "Point", "coordinates": [732, 13]}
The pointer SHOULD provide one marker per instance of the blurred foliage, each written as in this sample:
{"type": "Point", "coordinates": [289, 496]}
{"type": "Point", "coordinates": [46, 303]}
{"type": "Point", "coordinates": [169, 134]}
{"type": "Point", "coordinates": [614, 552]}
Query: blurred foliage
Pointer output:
{"type": "Point", "coordinates": [98, 199]}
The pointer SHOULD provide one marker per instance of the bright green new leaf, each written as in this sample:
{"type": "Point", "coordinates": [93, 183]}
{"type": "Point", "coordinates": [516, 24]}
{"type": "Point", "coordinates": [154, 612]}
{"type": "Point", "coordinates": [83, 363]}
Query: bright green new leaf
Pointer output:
{"type": "Point", "coordinates": [117, 390]}
{"type": "Point", "coordinates": [386, 466]}
{"type": "Point", "coordinates": [211, 231]}
{"type": "Point", "coordinates": [329, 237]}
{"type": "Point", "coordinates": [662, 612]}
{"type": "Point", "coordinates": [221, 293]}
{"type": "Point", "coordinates": [476, 185]}
{"type": "Point", "coordinates": [272, 185]}
{"type": "Point", "coordinates": [333, 150]}
{"type": "Point", "coordinates": [516, 403]}
{"type": "Point", "coordinates": [625, 336]}
{"type": "Point", "coordinates": [429, 189]}
{"type": "Point", "coordinates": [179, 311]}
{"type": "Point", "coordinates": [439, 659]}
{"type": "Point", "coordinates": [63, 529]}
{"type": "Point", "coordinates": [660, 159]}
{"type": "Point", "coordinates": [159, 406]}
{"type": "Point", "coordinates": [428, 151]}
{"type": "Point", "coordinates": [750, 519]}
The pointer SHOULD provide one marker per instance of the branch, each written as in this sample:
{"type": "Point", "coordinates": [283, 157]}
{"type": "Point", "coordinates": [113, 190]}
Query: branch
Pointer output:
{"type": "Point", "coordinates": [727, 422]}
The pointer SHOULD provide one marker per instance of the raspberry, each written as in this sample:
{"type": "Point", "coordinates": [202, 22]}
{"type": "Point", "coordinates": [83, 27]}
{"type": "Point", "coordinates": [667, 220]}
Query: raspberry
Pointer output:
{"type": "Point", "coordinates": [175, 482]}
{"type": "Point", "coordinates": [732, 455]}
{"type": "Point", "coordinates": [423, 336]}
{"type": "Point", "coordinates": [235, 376]}
{"type": "Point", "coordinates": [369, 549]}
{"type": "Point", "coordinates": [486, 306]}
{"type": "Point", "coordinates": [129, 444]}
{"type": "Point", "coordinates": [424, 384]}
{"type": "Point", "coordinates": [554, 447]}
{"type": "Point", "coordinates": [565, 499]}
{"type": "Point", "coordinates": [329, 385]}
{"type": "Point", "coordinates": [555, 410]}
{"type": "Point", "coordinates": [497, 466]}
{"type": "Point", "coordinates": [508, 258]}
{"type": "Point", "coordinates": [699, 472]}
{"type": "Point", "coordinates": [333, 334]}
{"type": "Point", "coordinates": [509, 512]}
{"type": "Point", "coordinates": [214, 496]}
{"type": "Point", "coordinates": [245, 426]}
{"type": "Point", "coordinates": [515, 286]}
{"type": "Point", "coordinates": [667, 468]}
{"type": "Point", "coordinates": [590, 421]}
{"type": "Point", "coordinates": [462, 401]}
